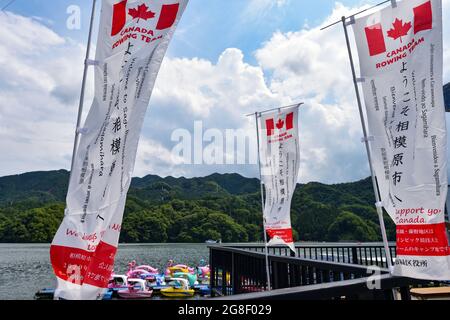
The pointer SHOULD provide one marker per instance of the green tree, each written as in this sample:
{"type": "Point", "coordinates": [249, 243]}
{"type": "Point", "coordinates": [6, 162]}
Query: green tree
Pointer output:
{"type": "Point", "coordinates": [350, 227]}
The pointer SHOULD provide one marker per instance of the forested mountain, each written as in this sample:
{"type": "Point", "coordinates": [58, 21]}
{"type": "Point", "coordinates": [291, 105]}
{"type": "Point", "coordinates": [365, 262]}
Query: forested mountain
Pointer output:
{"type": "Point", "coordinates": [226, 207]}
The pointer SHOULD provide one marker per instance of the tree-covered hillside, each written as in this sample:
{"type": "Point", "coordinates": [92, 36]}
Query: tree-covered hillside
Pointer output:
{"type": "Point", "coordinates": [171, 209]}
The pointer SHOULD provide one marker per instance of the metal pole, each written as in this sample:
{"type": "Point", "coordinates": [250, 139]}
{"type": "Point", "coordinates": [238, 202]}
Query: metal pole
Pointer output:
{"type": "Point", "coordinates": [262, 206]}
{"type": "Point", "coordinates": [83, 85]}
{"type": "Point", "coordinates": [279, 109]}
{"type": "Point", "coordinates": [7, 5]}
{"type": "Point", "coordinates": [357, 13]}
{"type": "Point", "coordinates": [369, 154]}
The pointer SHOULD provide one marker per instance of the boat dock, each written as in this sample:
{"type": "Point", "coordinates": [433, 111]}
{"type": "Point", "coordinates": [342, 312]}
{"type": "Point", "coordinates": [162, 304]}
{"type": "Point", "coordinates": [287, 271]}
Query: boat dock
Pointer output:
{"type": "Point", "coordinates": [322, 271]}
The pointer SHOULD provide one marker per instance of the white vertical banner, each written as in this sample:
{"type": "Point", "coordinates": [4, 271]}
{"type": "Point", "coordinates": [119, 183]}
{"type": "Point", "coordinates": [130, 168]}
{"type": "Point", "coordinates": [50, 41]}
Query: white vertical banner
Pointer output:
{"type": "Point", "coordinates": [401, 61]}
{"type": "Point", "coordinates": [133, 38]}
{"type": "Point", "coordinates": [280, 164]}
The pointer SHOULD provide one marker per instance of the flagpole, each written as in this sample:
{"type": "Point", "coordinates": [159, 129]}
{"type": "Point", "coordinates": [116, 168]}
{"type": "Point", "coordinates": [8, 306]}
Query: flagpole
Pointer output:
{"type": "Point", "coordinates": [83, 85]}
{"type": "Point", "coordinates": [279, 109]}
{"type": "Point", "coordinates": [262, 206]}
{"type": "Point", "coordinates": [358, 13]}
{"type": "Point", "coordinates": [369, 154]}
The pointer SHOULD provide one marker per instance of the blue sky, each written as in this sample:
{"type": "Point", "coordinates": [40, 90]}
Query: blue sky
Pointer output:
{"type": "Point", "coordinates": [211, 25]}
{"type": "Point", "coordinates": [227, 58]}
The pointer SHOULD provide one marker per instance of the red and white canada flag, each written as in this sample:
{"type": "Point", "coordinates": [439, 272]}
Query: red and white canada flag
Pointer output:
{"type": "Point", "coordinates": [133, 38]}
{"type": "Point", "coordinates": [286, 123]}
{"type": "Point", "coordinates": [122, 12]}
{"type": "Point", "coordinates": [401, 58]}
{"type": "Point", "coordinates": [376, 36]}
{"type": "Point", "coordinates": [280, 164]}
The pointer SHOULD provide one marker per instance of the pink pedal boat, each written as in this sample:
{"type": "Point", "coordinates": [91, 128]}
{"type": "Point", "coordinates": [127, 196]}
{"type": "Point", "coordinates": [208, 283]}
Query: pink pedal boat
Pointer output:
{"type": "Point", "coordinates": [137, 289]}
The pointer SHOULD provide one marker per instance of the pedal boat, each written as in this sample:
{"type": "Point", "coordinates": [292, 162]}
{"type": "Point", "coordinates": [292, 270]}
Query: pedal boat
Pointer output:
{"type": "Point", "coordinates": [178, 288]}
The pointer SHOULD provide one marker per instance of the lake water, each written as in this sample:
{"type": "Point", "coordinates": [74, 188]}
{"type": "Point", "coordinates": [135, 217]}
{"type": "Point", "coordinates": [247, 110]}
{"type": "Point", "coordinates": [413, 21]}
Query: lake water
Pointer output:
{"type": "Point", "coordinates": [26, 268]}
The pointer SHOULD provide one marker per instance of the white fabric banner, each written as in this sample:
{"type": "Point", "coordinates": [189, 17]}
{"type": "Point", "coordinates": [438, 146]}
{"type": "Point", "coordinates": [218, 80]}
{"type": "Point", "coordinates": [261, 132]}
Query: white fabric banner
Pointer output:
{"type": "Point", "coordinates": [133, 38]}
{"type": "Point", "coordinates": [401, 58]}
{"type": "Point", "coordinates": [280, 164]}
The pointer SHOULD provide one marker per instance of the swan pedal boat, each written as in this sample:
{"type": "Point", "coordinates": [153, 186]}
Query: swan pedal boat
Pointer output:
{"type": "Point", "coordinates": [191, 278]}
{"type": "Point", "coordinates": [137, 289]}
{"type": "Point", "coordinates": [180, 268]}
{"type": "Point", "coordinates": [178, 288]}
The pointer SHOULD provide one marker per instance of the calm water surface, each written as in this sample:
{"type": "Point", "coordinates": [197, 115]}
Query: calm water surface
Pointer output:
{"type": "Point", "coordinates": [26, 268]}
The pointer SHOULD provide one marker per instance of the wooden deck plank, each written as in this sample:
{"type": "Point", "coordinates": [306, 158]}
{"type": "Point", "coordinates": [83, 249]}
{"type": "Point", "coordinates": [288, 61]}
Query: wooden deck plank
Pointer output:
{"type": "Point", "coordinates": [431, 292]}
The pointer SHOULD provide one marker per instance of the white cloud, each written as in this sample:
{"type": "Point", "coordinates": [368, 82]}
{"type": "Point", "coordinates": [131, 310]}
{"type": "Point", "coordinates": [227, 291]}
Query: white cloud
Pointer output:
{"type": "Point", "coordinates": [258, 11]}
{"type": "Point", "coordinates": [312, 65]}
{"type": "Point", "coordinates": [40, 76]}
{"type": "Point", "coordinates": [155, 158]}
{"type": "Point", "coordinates": [218, 94]}
{"type": "Point", "coordinates": [230, 85]}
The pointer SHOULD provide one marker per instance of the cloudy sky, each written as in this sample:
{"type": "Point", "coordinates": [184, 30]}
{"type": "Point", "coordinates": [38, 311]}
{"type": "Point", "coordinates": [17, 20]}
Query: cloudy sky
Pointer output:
{"type": "Point", "coordinates": [227, 59]}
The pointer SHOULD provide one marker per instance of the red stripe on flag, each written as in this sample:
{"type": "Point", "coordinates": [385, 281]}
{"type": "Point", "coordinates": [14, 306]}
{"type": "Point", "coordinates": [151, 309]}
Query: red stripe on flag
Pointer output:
{"type": "Point", "coordinates": [375, 39]}
{"type": "Point", "coordinates": [168, 16]}
{"type": "Point", "coordinates": [422, 240]}
{"type": "Point", "coordinates": [119, 17]}
{"type": "Point", "coordinates": [290, 121]}
{"type": "Point", "coordinates": [423, 17]}
{"type": "Point", "coordinates": [270, 125]}
{"type": "Point", "coordinates": [284, 234]}
{"type": "Point", "coordinates": [80, 266]}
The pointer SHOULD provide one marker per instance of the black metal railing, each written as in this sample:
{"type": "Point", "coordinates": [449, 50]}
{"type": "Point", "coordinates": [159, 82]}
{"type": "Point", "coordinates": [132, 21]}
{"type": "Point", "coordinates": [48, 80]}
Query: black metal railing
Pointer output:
{"type": "Point", "coordinates": [241, 269]}
{"type": "Point", "coordinates": [367, 254]}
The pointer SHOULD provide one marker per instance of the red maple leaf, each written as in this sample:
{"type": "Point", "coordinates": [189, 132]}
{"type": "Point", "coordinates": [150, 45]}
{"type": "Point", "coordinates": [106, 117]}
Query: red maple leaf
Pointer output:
{"type": "Point", "coordinates": [399, 30]}
{"type": "Point", "coordinates": [141, 12]}
{"type": "Point", "coordinates": [280, 124]}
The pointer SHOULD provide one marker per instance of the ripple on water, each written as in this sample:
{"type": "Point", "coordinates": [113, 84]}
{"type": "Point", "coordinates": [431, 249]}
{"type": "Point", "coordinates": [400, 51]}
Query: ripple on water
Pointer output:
{"type": "Point", "coordinates": [25, 268]}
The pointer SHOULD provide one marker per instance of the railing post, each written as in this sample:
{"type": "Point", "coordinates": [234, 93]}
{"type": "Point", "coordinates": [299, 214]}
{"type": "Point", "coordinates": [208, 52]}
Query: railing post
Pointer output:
{"type": "Point", "coordinates": [274, 275]}
{"type": "Point", "coordinates": [283, 275]}
{"type": "Point", "coordinates": [303, 273]}
{"type": "Point", "coordinates": [326, 275]}
{"type": "Point", "coordinates": [233, 270]}
{"type": "Point", "coordinates": [236, 274]}
{"type": "Point", "coordinates": [318, 276]}
{"type": "Point", "coordinates": [355, 255]}
{"type": "Point", "coordinates": [295, 275]}
{"type": "Point", "coordinates": [224, 282]}
{"type": "Point", "coordinates": [393, 251]}
{"type": "Point", "coordinates": [405, 293]}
